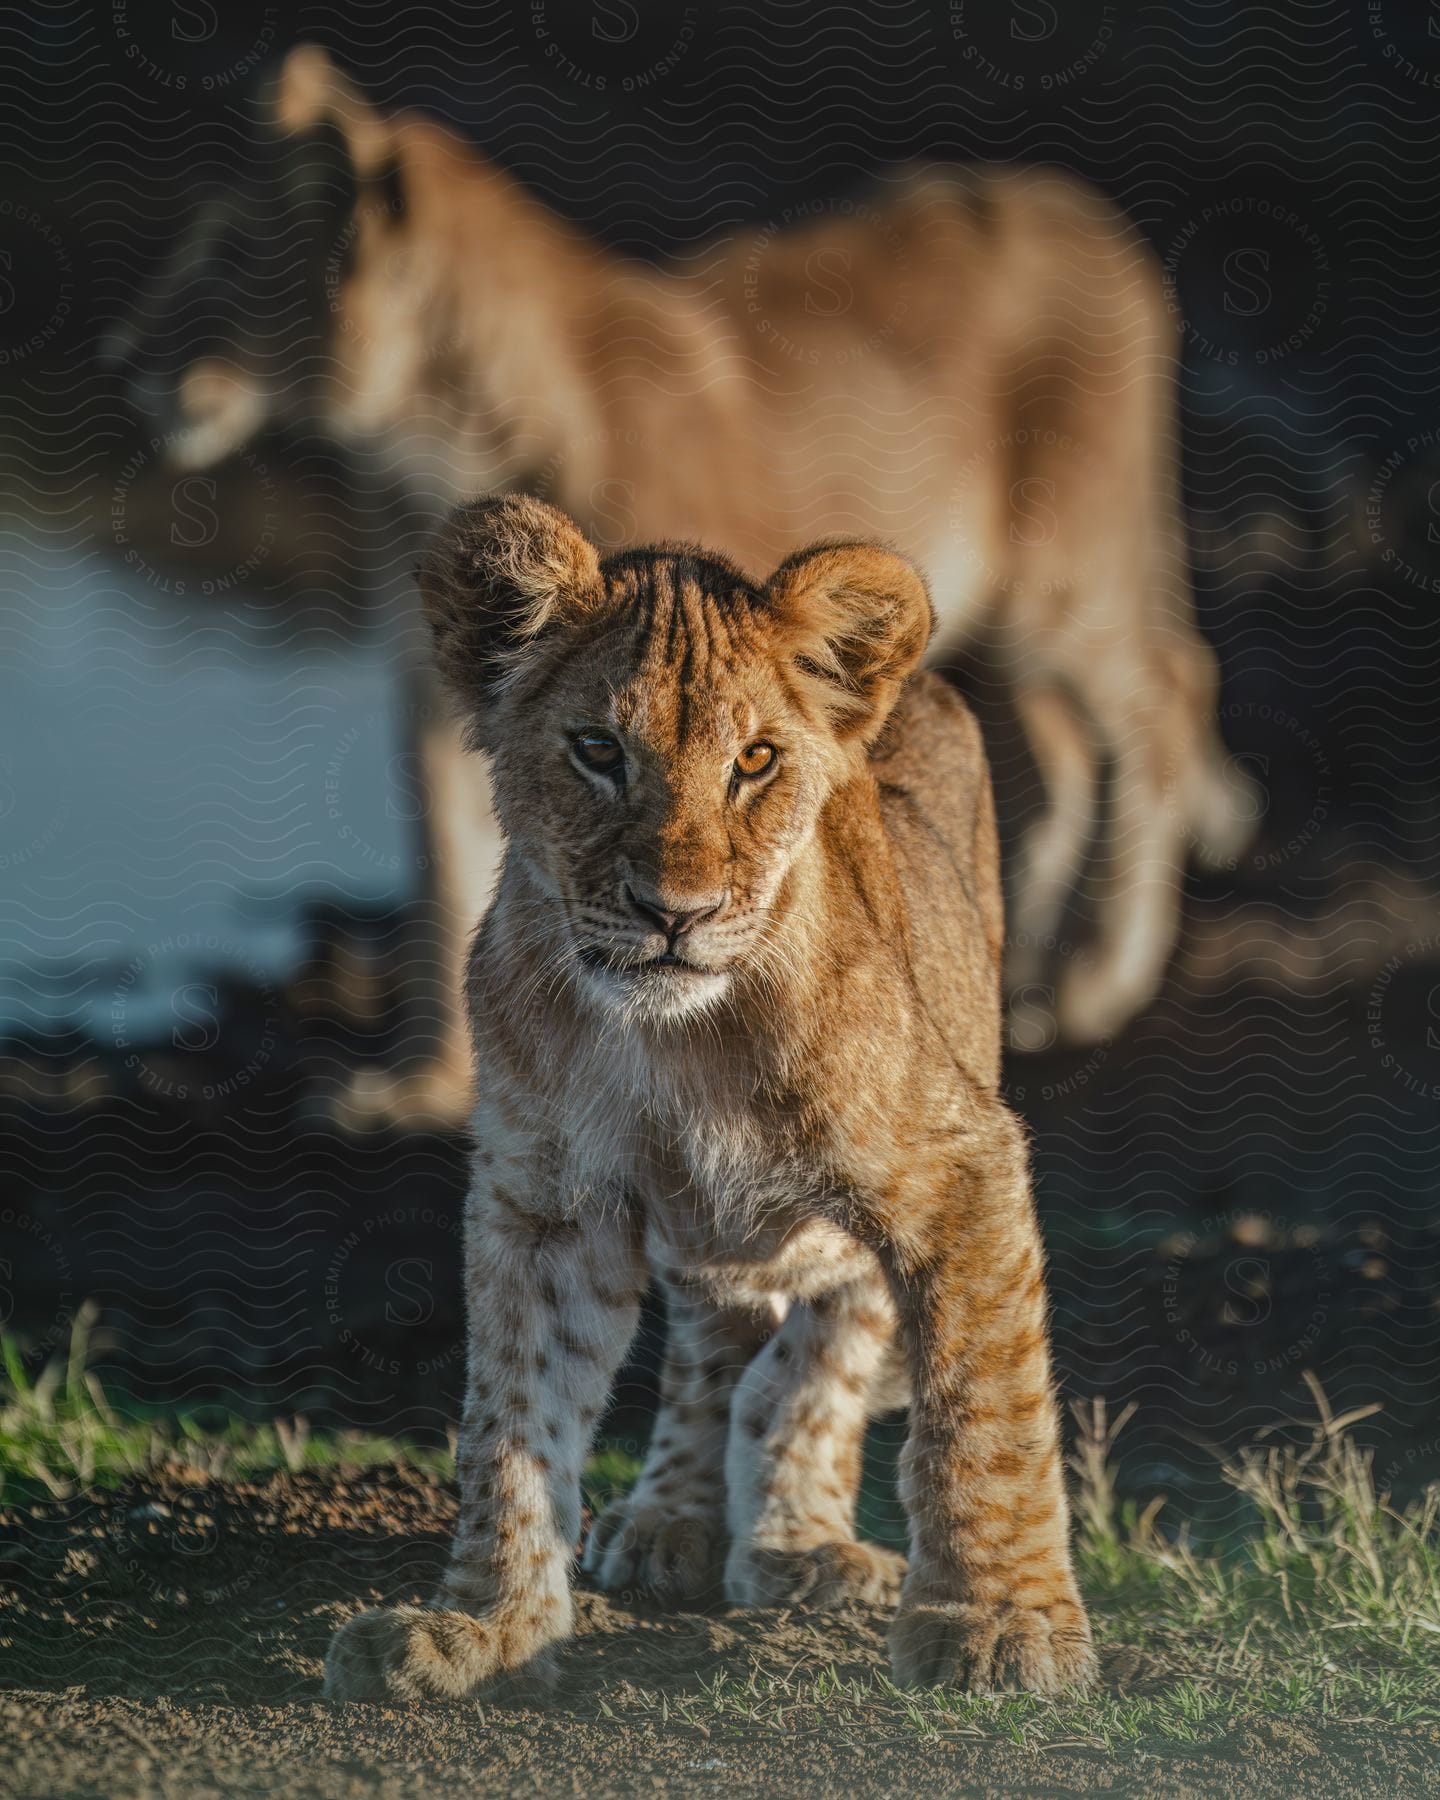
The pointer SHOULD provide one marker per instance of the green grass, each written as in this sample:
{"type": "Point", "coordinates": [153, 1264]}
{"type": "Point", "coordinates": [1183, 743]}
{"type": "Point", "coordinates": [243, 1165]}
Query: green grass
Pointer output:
{"type": "Point", "coordinates": [1325, 1606]}
{"type": "Point", "coordinates": [59, 1434]}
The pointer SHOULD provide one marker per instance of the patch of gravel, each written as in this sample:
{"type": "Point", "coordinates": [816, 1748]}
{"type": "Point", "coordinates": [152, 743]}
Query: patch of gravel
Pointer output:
{"type": "Point", "coordinates": [167, 1639]}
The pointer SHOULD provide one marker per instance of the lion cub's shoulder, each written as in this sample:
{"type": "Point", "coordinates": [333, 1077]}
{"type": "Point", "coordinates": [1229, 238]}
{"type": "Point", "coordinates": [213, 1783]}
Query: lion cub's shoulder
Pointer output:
{"type": "Point", "coordinates": [934, 781]}
{"type": "Point", "coordinates": [930, 761]}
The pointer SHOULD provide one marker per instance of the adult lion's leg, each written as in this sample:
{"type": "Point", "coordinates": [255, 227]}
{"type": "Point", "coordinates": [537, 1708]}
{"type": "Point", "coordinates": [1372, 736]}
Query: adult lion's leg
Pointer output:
{"type": "Point", "coordinates": [552, 1307]}
{"type": "Point", "coordinates": [465, 845]}
{"type": "Point", "coordinates": [669, 1534]}
{"type": "Point", "coordinates": [1138, 888]}
{"type": "Point", "coordinates": [990, 1600]}
{"type": "Point", "coordinates": [1050, 856]}
{"type": "Point", "coordinates": [793, 1462]}
{"type": "Point", "coordinates": [1219, 802]}
{"type": "Point", "coordinates": [1164, 750]}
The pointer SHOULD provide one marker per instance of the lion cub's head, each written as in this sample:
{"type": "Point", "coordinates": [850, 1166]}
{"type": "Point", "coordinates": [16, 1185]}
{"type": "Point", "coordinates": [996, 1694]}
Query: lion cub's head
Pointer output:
{"type": "Point", "coordinates": [664, 732]}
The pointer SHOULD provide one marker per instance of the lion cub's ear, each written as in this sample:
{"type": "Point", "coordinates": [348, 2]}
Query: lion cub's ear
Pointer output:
{"type": "Point", "coordinates": [500, 575]}
{"type": "Point", "coordinates": [858, 618]}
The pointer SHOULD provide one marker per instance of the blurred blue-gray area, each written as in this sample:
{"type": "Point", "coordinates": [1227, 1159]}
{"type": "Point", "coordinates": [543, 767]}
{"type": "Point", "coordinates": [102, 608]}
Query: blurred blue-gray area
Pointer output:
{"type": "Point", "coordinates": [178, 793]}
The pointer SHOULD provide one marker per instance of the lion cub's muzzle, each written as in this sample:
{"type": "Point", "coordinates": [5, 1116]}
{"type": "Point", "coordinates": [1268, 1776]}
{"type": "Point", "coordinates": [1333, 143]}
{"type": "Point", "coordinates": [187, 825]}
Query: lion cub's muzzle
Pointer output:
{"type": "Point", "coordinates": [660, 939]}
{"type": "Point", "coordinates": [673, 918]}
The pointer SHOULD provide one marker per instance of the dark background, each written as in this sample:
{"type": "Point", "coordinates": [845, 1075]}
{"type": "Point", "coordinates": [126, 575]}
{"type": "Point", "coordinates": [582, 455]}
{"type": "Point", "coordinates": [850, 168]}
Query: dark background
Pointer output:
{"type": "Point", "coordinates": [1241, 1187]}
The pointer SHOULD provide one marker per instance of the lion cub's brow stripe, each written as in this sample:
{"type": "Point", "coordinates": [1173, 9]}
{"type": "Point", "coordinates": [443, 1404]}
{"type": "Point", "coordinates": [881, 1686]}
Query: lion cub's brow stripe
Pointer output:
{"type": "Point", "coordinates": [714, 574]}
{"type": "Point", "coordinates": [684, 629]}
{"type": "Point", "coordinates": [681, 600]}
{"type": "Point", "coordinates": [677, 624]}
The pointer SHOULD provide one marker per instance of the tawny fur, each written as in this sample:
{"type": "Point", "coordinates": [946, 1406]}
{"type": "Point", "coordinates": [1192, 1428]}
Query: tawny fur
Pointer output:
{"type": "Point", "coordinates": [992, 388]}
{"type": "Point", "coordinates": [786, 1111]}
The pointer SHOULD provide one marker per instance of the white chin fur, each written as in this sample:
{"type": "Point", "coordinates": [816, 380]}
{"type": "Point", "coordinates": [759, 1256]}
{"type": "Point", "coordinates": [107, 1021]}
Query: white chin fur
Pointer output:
{"type": "Point", "coordinates": [655, 998]}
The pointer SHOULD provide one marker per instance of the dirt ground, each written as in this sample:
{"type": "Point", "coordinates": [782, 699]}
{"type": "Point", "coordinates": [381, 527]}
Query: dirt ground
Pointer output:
{"type": "Point", "coordinates": [167, 1639]}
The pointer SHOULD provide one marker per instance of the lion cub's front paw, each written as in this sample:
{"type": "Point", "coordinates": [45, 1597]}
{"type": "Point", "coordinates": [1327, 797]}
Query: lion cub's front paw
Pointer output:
{"type": "Point", "coordinates": [674, 1556]}
{"type": "Point", "coordinates": [825, 1575]}
{"type": "Point", "coordinates": [988, 1650]}
{"type": "Point", "coordinates": [429, 1653]}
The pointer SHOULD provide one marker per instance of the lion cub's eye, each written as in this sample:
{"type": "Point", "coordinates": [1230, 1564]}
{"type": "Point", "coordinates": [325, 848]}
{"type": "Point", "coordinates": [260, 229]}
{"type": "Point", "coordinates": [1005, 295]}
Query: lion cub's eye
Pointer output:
{"type": "Point", "coordinates": [599, 752]}
{"type": "Point", "coordinates": [754, 760]}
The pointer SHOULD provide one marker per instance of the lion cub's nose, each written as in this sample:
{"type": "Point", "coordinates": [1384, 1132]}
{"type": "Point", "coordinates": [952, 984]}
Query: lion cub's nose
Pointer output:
{"type": "Point", "coordinates": [673, 921]}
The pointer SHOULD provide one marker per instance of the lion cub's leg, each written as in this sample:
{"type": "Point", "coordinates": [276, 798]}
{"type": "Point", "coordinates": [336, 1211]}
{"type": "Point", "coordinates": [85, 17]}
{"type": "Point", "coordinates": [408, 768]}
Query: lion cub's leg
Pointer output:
{"type": "Point", "coordinates": [990, 1600]}
{"type": "Point", "coordinates": [793, 1461]}
{"type": "Point", "coordinates": [668, 1535]}
{"type": "Point", "coordinates": [552, 1306]}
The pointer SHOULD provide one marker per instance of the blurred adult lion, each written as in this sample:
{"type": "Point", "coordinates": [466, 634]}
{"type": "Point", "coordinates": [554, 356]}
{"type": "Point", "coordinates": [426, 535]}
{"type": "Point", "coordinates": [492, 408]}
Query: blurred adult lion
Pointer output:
{"type": "Point", "coordinates": [977, 364]}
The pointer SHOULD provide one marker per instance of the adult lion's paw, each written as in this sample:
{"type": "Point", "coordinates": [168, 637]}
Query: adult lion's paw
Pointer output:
{"type": "Point", "coordinates": [822, 1576]}
{"type": "Point", "coordinates": [987, 1650]}
{"type": "Point", "coordinates": [676, 1556]}
{"type": "Point", "coordinates": [436, 1095]}
{"type": "Point", "coordinates": [429, 1653]}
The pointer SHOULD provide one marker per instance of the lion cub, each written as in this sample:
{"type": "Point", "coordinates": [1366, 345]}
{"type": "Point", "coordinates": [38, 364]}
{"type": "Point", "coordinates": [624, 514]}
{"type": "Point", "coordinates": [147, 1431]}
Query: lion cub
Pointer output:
{"type": "Point", "coordinates": [737, 1018]}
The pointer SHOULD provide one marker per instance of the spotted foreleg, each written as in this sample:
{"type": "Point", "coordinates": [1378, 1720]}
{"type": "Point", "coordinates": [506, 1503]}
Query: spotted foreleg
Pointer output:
{"type": "Point", "coordinates": [552, 1307]}
{"type": "Point", "coordinates": [668, 1535]}
{"type": "Point", "coordinates": [793, 1465]}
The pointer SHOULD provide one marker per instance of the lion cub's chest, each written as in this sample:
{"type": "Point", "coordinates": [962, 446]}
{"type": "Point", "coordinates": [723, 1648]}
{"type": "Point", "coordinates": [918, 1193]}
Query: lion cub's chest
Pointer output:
{"type": "Point", "coordinates": [742, 1226]}
{"type": "Point", "coordinates": [732, 1204]}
